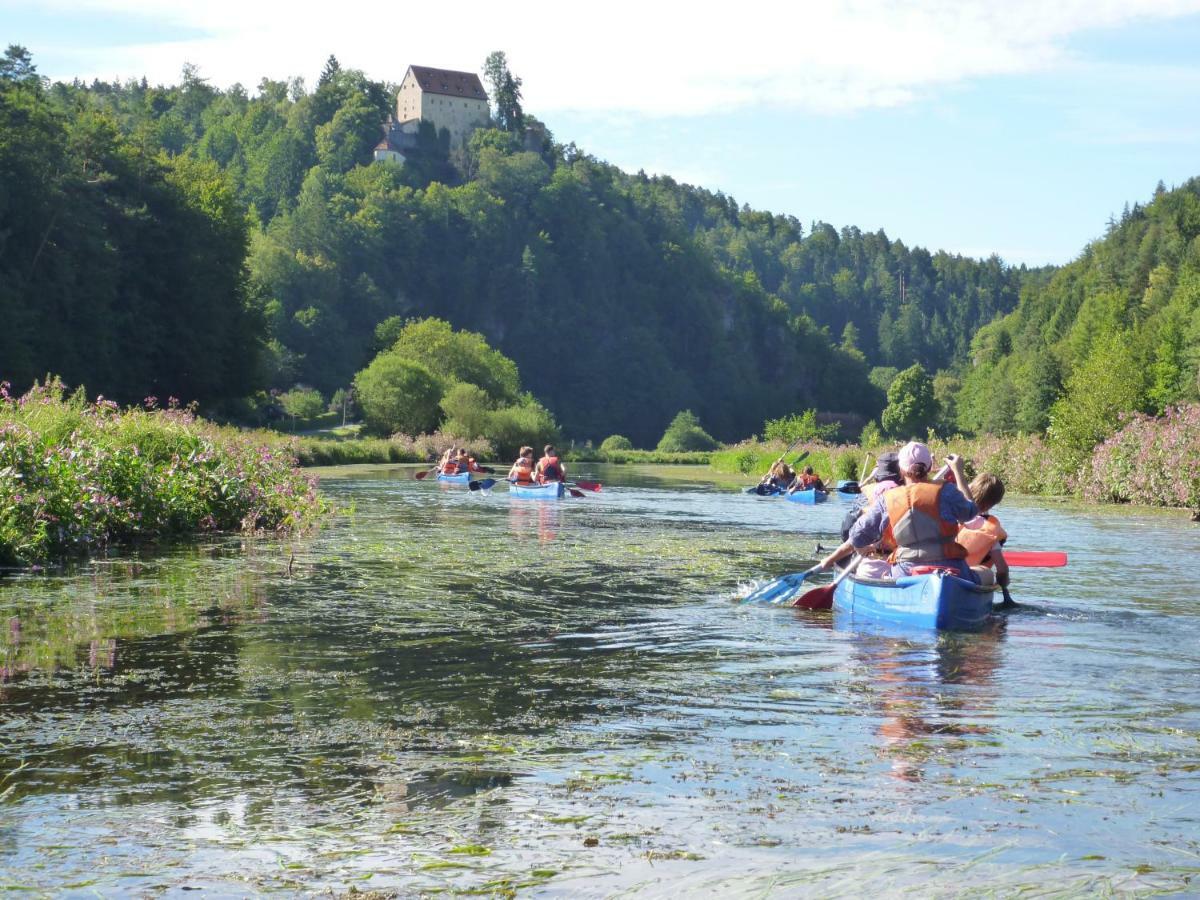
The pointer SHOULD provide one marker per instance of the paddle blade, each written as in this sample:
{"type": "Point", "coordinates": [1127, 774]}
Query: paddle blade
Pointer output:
{"type": "Point", "coordinates": [574, 493]}
{"type": "Point", "coordinates": [593, 486]}
{"type": "Point", "coordinates": [424, 473]}
{"type": "Point", "coordinates": [817, 598]}
{"type": "Point", "coordinates": [481, 485]}
{"type": "Point", "coordinates": [1046, 559]}
{"type": "Point", "coordinates": [779, 591]}
{"type": "Point", "coordinates": [486, 470]}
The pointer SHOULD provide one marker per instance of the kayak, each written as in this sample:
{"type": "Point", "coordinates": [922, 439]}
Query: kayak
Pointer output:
{"type": "Point", "coordinates": [460, 478]}
{"type": "Point", "coordinates": [551, 491]}
{"type": "Point", "coordinates": [848, 487]}
{"type": "Point", "coordinates": [937, 600]}
{"type": "Point", "coordinates": [812, 495]}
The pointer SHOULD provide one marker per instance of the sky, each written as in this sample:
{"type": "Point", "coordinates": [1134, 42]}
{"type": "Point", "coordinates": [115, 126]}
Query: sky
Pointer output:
{"type": "Point", "coordinates": [973, 126]}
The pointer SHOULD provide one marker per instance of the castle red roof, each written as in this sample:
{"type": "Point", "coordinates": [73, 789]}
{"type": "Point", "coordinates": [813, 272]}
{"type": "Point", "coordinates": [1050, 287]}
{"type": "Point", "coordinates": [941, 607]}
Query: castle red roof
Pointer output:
{"type": "Point", "coordinates": [448, 82]}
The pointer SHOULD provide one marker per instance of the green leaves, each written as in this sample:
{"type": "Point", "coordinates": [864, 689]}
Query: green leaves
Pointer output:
{"type": "Point", "coordinates": [911, 408]}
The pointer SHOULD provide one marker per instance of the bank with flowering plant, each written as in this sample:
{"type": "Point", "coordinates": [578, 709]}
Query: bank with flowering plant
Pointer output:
{"type": "Point", "coordinates": [77, 476]}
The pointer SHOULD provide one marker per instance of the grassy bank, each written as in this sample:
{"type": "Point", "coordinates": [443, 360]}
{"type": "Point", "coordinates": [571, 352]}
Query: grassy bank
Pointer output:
{"type": "Point", "coordinates": [832, 462]}
{"type": "Point", "coordinates": [639, 457]}
{"type": "Point", "coordinates": [78, 476]}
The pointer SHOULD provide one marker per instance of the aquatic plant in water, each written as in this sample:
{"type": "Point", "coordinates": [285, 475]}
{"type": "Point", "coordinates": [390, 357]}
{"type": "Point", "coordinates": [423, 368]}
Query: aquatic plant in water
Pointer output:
{"type": "Point", "coordinates": [75, 476]}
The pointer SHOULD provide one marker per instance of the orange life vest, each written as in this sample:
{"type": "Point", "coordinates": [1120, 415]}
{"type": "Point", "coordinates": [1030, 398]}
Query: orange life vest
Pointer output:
{"type": "Point", "coordinates": [548, 469]}
{"type": "Point", "coordinates": [523, 471]}
{"type": "Point", "coordinates": [915, 526]}
{"type": "Point", "coordinates": [979, 542]}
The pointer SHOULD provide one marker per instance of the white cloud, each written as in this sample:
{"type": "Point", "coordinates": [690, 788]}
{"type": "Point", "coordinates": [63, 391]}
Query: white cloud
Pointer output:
{"type": "Point", "coordinates": [629, 57]}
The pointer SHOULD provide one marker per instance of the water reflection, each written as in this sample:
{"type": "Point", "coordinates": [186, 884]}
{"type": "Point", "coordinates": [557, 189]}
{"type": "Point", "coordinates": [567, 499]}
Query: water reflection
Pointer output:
{"type": "Point", "coordinates": [529, 518]}
{"type": "Point", "coordinates": [921, 721]}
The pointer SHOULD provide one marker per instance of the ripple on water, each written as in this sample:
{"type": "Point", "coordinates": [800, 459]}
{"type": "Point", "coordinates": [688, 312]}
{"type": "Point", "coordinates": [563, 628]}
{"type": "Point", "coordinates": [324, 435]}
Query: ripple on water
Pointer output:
{"type": "Point", "coordinates": [454, 691]}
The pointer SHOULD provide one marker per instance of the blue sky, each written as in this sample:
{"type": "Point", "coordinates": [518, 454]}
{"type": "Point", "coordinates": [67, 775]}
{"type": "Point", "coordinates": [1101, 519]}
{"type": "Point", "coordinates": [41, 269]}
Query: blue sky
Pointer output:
{"type": "Point", "coordinates": [974, 127]}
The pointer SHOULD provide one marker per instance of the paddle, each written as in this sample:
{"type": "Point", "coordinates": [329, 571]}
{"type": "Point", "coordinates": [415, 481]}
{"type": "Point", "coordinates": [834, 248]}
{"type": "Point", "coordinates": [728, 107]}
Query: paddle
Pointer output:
{"type": "Point", "coordinates": [1035, 559]}
{"type": "Point", "coordinates": [822, 597]}
{"type": "Point", "coordinates": [593, 486]}
{"type": "Point", "coordinates": [781, 589]}
{"type": "Point", "coordinates": [481, 485]}
{"type": "Point", "coordinates": [1021, 559]}
{"type": "Point", "coordinates": [425, 473]}
{"type": "Point", "coordinates": [1009, 602]}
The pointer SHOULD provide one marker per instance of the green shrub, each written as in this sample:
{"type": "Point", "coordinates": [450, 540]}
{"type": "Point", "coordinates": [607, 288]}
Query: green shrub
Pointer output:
{"type": "Point", "coordinates": [798, 427]}
{"type": "Point", "coordinates": [615, 442]}
{"type": "Point", "coordinates": [133, 475]}
{"type": "Point", "coordinates": [396, 394]}
{"type": "Point", "coordinates": [684, 434]}
{"type": "Point", "coordinates": [302, 403]}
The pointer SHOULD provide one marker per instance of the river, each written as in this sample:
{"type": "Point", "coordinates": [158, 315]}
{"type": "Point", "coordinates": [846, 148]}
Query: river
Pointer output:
{"type": "Point", "coordinates": [443, 690]}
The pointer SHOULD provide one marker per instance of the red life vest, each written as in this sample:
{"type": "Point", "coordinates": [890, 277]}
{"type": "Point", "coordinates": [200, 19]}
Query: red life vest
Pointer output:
{"type": "Point", "coordinates": [450, 468]}
{"type": "Point", "coordinates": [548, 469]}
{"type": "Point", "coordinates": [979, 542]}
{"type": "Point", "coordinates": [915, 526]}
{"type": "Point", "coordinates": [523, 471]}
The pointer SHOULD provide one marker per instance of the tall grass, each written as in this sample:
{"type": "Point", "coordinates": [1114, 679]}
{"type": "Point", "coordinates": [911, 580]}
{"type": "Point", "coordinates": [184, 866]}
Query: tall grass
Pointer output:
{"type": "Point", "coordinates": [76, 476]}
{"type": "Point", "coordinates": [832, 462]}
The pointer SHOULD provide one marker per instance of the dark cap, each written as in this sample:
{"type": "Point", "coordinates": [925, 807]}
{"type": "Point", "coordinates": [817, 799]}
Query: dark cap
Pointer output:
{"type": "Point", "coordinates": [887, 467]}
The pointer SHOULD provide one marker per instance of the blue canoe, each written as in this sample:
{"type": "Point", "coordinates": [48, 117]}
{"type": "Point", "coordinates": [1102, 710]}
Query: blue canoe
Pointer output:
{"type": "Point", "coordinates": [916, 601]}
{"type": "Point", "coordinates": [460, 478]}
{"type": "Point", "coordinates": [812, 495]}
{"type": "Point", "coordinates": [551, 491]}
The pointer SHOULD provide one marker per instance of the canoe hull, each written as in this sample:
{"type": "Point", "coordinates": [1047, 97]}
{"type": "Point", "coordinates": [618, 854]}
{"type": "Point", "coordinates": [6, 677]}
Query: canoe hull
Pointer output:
{"type": "Point", "coordinates": [552, 491]}
{"type": "Point", "coordinates": [810, 496]}
{"type": "Point", "coordinates": [460, 478]}
{"type": "Point", "coordinates": [939, 601]}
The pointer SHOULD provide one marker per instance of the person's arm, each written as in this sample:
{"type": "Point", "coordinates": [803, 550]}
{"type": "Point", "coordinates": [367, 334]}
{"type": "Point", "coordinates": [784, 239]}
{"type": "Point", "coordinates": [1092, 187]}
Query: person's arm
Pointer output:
{"type": "Point", "coordinates": [954, 507]}
{"type": "Point", "coordinates": [954, 461]}
{"type": "Point", "coordinates": [841, 552]}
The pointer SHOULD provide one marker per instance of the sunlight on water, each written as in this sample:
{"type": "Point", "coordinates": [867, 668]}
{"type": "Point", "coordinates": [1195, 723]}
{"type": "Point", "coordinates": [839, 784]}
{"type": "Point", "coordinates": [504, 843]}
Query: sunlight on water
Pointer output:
{"type": "Point", "coordinates": [454, 690]}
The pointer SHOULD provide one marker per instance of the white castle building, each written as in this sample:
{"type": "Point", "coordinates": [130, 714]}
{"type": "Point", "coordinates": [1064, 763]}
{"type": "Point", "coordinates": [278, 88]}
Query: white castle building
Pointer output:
{"type": "Point", "coordinates": [455, 101]}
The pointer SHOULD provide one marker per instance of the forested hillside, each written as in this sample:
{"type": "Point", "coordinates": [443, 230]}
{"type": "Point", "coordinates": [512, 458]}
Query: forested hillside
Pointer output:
{"type": "Point", "coordinates": [1117, 330]}
{"type": "Point", "coordinates": [622, 298]}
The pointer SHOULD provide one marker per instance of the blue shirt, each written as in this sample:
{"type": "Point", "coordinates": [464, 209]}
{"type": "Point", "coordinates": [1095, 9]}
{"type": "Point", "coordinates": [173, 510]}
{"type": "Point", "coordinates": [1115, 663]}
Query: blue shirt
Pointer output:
{"type": "Point", "coordinates": [953, 507]}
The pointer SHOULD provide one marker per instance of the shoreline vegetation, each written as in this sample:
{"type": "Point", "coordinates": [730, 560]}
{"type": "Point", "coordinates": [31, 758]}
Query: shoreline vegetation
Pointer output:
{"type": "Point", "coordinates": [79, 476]}
{"type": "Point", "coordinates": [1148, 461]}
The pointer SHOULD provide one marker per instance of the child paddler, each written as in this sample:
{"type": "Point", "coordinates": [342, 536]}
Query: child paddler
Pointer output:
{"type": "Point", "coordinates": [522, 470]}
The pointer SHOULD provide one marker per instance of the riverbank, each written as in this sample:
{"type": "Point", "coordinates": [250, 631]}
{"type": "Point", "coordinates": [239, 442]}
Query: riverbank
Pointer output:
{"type": "Point", "coordinates": [1149, 462]}
{"type": "Point", "coordinates": [78, 477]}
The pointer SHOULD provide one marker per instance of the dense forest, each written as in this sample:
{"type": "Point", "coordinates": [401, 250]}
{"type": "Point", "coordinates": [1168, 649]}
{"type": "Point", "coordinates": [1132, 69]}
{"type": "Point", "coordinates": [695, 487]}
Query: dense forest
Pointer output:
{"type": "Point", "coordinates": [1116, 331]}
{"type": "Point", "coordinates": [215, 244]}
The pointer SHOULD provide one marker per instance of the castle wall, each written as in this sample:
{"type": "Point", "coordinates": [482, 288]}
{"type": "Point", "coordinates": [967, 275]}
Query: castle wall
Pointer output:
{"type": "Point", "coordinates": [458, 115]}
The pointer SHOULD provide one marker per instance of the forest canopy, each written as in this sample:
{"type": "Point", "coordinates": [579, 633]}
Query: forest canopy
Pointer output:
{"type": "Point", "coordinates": [261, 248]}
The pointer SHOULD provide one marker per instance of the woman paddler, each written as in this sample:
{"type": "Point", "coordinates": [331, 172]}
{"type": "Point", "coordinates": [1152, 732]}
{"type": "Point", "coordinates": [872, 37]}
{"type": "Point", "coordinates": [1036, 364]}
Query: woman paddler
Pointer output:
{"type": "Point", "coordinates": [920, 519]}
{"type": "Point", "coordinates": [522, 470]}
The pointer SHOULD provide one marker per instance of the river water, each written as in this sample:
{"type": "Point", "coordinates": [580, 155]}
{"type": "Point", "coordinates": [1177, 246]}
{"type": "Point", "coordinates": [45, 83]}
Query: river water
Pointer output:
{"type": "Point", "coordinates": [443, 690]}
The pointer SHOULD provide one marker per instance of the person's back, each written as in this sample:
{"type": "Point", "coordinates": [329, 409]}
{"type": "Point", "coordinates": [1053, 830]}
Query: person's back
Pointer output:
{"type": "Point", "coordinates": [919, 519]}
{"type": "Point", "coordinates": [983, 543]}
{"type": "Point", "coordinates": [466, 462]}
{"type": "Point", "coordinates": [522, 470]}
{"type": "Point", "coordinates": [550, 467]}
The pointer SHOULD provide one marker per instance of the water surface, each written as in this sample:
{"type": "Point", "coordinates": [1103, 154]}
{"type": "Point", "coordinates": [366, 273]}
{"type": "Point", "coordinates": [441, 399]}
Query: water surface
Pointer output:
{"type": "Point", "coordinates": [453, 691]}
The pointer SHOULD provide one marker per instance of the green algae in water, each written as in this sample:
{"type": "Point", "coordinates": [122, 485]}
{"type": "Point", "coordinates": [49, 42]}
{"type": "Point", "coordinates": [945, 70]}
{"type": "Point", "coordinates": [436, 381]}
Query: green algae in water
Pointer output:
{"type": "Point", "coordinates": [582, 664]}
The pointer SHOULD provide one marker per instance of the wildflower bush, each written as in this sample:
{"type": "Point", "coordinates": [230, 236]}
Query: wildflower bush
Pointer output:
{"type": "Point", "coordinates": [75, 476]}
{"type": "Point", "coordinates": [1151, 461]}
